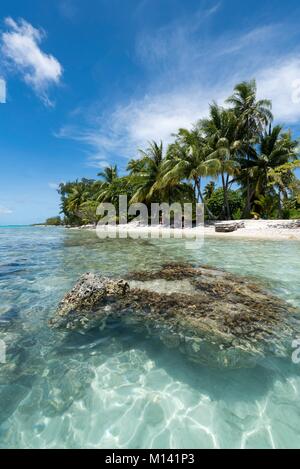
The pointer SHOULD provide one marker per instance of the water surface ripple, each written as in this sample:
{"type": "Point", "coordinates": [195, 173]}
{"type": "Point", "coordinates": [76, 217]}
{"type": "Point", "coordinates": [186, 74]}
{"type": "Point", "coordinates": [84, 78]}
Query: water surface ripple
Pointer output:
{"type": "Point", "coordinates": [119, 389]}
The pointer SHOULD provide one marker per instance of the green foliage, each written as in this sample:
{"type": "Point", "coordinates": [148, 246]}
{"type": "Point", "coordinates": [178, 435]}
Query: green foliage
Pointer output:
{"type": "Point", "coordinates": [109, 174]}
{"type": "Point", "coordinates": [291, 206]}
{"type": "Point", "coordinates": [266, 206]}
{"type": "Point", "coordinates": [54, 221]}
{"type": "Point", "coordinates": [209, 190]}
{"type": "Point", "coordinates": [216, 203]}
{"type": "Point", "coordinates": [73, 197]}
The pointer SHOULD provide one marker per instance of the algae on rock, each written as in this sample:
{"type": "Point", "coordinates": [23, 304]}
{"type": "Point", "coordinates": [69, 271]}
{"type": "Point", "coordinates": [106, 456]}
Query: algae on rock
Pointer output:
{"type": "Point", "coordinates": [213, 317]}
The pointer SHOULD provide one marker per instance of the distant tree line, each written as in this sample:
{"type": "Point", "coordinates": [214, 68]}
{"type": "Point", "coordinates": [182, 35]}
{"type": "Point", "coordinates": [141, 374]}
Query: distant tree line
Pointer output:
{"type": "Point", "coordinates": [54, 221]}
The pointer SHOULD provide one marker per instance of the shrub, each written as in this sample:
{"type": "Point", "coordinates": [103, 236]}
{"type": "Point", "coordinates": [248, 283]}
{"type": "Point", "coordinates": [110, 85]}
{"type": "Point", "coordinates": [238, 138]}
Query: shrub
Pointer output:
{"type": "Point", "coordinates": [53, 221]}
{"type": "Point", "coordinates": [216, 203]}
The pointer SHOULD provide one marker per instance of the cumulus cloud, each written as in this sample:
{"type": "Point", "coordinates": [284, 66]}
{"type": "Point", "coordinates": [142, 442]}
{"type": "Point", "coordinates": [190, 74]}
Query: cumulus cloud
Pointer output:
{"type": "Point", "coordinates": [20, 47]}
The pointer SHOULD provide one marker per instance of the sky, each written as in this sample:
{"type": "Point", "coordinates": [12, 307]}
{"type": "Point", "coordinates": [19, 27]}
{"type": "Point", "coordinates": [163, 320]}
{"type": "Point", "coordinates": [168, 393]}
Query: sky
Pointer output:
{"type": "Point", "coordinates": [88, 83]}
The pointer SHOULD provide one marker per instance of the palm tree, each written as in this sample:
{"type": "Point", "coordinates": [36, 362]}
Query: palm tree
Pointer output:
{"type": "Point", "coordinates": [209, 190]}
{"type": "Point", "coordinates": [220, 130]}
{"type": "Point", "coordinates": [186, 161]}
{"type": "Point", "coordinates": [73, 196]}
{"type": "Point", "coordinates": [135, 166]}
{"type": "Point", "coordinates": [146, 172]}
{"type": "Point", "coordinates": [283, 179]}
{"type": "Point", "coordinates": [276, 150]}
{"type": "Point", "coordinates": [109, 174]}
{"type": "Point", "coordinates": [254, 116]}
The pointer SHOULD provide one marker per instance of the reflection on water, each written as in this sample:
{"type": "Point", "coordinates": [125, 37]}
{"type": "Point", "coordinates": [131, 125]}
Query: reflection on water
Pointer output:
{"type": "Point", "coordinates": [123, 390]}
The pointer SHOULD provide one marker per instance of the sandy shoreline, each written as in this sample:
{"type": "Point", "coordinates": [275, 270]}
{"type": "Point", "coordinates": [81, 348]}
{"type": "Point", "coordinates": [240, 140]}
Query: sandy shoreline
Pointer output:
{"type": "Point", "coordinates": [262, 229]}
{"type": "Point", "coordinates": [254, 229]}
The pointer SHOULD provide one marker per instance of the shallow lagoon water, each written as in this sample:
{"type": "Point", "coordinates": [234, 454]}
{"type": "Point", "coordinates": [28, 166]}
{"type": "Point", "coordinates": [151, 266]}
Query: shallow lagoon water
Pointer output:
{"type": "Point", "coordinates": [119, 389]}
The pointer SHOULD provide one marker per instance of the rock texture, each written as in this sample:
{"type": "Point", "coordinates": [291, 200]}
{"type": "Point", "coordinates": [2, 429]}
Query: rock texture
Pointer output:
{"type": "Point", "coordinates": [229, 227]}
{"type": "Point", "coordinates": [290, 225]}
{"type": "Point", "coordinates": [213, 317]}
{"type": "Point", "coordinates": [78, 307]}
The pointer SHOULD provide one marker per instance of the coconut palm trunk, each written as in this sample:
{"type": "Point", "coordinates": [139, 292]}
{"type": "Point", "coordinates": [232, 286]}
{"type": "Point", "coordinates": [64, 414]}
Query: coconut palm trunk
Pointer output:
{"type": "Point", "coordinates": [279, 204]}
{"type": "Point", "coordinates": [226, 202]}
{"type": "Point", "coordinates": [200, 198]}
{"type": "Point", "coordinates": [248, 201]}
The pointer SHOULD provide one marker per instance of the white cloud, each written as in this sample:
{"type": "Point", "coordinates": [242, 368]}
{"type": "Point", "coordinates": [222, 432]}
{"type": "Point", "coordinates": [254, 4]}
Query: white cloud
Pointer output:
{"type": "Point", "coordinates": [232, 44]}
{"type": "Point", "coordinates": [157, 116]}
{"type": "Point", "coordinates": [5, 211]}
{"type": "Point", "coordinates": [132, 126]}
{"type": "Point", "coordinates": [99, 144]}
{"type": "Point", "coordinates": [21, 49]}
{"type": "Point", "coordinates": [97, 161]}
{"type": "Point", "coordinates": [185, 73]}
{"type": "Point", "coordinates": [280, 83]}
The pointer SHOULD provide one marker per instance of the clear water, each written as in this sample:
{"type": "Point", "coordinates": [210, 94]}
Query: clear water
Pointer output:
{"type": "Point", "coordinates": [115, 389]}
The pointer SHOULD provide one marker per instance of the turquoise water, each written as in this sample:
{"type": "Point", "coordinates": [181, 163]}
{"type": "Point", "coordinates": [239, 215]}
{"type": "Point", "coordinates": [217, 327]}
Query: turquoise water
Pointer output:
{"type": "Point", "coordinates": [116, 389]}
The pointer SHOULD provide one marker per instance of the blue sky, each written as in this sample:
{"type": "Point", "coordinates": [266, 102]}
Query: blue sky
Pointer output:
{"type": "Point", "coordinates": [89, 82]}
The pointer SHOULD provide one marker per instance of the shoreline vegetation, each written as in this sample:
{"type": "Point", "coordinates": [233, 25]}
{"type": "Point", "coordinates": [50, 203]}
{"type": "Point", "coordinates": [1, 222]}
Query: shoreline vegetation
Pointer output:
{"type": "Point", "coordinates": [235, 162]}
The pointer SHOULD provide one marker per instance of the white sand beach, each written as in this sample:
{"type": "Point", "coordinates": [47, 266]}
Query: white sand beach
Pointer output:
{"type": "Point", "coordinates": [253, 229]}
{"type": "Point", "coordinates": [262, 229]}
